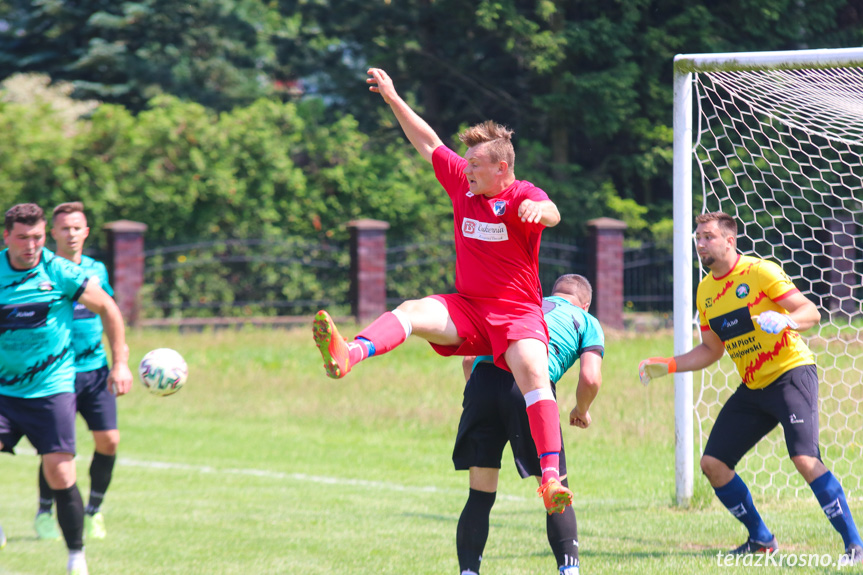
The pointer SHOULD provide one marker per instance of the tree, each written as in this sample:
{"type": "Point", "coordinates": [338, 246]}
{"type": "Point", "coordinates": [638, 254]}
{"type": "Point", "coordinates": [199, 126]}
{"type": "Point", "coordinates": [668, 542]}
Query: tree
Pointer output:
{"type": "Point", "coordinates": [215, 53]}
{"type": "Point", "coordinates": [585, 84]}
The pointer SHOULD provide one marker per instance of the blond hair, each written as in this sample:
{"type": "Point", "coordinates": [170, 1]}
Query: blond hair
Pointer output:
{"type": "Point", "coordinates": [495, 139]}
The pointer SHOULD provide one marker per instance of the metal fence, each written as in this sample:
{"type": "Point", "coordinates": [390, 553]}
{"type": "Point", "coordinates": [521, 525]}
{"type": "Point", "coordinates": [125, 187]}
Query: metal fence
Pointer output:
{"type": "Point", "coordinates": [233, 278]}
{"type": "Point", "coordinates": [230, 278]}
{"type": "Point", "coordinates": [648, 278]}
{"type": "Point", "coordinates": [419, 269]}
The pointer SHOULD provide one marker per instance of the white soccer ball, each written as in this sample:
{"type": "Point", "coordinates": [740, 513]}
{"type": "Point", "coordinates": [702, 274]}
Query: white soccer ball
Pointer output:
{"type": "Point", "coordinates": [163, 371]}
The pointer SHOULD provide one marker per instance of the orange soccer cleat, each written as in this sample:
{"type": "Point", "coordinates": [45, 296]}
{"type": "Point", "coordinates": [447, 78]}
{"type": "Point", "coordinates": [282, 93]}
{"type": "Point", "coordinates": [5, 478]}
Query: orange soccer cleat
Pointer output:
{"type": "Point", "coordinates": [555, 496]}
{"type": "Point", "coordinates": [333, 347]}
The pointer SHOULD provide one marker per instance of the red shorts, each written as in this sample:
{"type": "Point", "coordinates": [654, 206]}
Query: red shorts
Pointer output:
{"type": "Point", "coordinates": [488, 325]}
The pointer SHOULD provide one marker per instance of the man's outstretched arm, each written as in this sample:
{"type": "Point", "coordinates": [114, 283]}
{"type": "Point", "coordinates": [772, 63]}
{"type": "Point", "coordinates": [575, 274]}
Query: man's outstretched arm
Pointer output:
{"type": "Point", "coordinates": [420, 134]}
{"type": "Point", "coordinates": [708, 352]}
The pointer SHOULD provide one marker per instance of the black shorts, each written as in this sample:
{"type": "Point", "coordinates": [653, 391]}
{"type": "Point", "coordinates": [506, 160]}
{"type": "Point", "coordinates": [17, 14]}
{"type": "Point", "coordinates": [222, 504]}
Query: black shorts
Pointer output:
{"type": "Point", "coordinates": [48, 422]}
{"type": "Point", "coordinates": [96, 404]}
{"type": "Point", "coordinates": [493, 413]}
{"type": "Point", "coordinates": [750, 414]}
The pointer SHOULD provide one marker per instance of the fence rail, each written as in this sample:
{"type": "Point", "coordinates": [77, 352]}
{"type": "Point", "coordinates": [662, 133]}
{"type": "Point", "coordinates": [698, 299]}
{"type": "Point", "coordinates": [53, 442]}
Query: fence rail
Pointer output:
{"type": "Point", "coordinates": [648, 278]}
{"type": "Point", "coordinates": [234, 278]}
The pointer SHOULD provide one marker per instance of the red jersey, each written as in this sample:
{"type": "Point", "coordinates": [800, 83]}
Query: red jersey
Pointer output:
{"type": "Point", "coordinates": [497, 255]}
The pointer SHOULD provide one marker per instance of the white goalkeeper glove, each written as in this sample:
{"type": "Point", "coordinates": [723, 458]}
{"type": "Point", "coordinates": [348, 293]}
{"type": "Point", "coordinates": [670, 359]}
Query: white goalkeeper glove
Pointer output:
{"type": "Point", "coordinates": [654, 367]}
{"type": "Point", "coordinates": [774, 322]}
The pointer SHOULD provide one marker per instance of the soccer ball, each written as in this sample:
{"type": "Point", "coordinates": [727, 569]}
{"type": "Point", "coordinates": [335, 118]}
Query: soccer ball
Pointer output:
{"type": "Point", "coordinates": [163, 371]}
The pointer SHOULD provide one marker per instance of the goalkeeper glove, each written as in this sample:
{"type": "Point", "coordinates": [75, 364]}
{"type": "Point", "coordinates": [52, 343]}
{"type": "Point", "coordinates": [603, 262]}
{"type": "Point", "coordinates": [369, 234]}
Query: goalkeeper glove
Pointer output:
{"type": "Point", "coordinates": [774, 322]}
{"type": "Point", "coordinates": [654, 367]}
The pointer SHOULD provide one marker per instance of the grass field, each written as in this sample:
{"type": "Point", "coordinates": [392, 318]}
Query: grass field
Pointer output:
{"type": "Point", "coordinates": [262, 465]}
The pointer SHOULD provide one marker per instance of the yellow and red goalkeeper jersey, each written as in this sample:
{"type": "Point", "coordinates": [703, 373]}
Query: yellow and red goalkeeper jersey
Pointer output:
{"type": "Point", "coordinates": [726, 306]}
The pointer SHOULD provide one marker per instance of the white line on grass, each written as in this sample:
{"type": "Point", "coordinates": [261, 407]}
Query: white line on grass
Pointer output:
{"type": "Point", "coordinates": [305, 478]}
{"type": "Point", "coordinates": [302, 477]}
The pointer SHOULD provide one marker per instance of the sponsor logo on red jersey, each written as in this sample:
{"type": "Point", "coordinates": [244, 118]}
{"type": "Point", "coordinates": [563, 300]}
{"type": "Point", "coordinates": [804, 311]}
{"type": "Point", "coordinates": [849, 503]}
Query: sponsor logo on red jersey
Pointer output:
{"type": "Point", "coordinates": [484, 231]}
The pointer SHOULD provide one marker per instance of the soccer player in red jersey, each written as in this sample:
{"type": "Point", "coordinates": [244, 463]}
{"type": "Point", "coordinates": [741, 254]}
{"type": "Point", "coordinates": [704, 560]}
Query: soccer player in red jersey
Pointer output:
{"type": "Point", "coordinates": [497, 309]}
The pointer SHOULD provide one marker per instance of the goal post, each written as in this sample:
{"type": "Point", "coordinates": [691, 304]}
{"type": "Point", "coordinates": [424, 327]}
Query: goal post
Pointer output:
{"type": "Point", "coordinates": [776, 140]}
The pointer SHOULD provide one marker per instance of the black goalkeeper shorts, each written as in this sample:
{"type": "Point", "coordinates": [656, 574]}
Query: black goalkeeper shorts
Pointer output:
{"type": "Point", "coordinates": [750, 414]}
{"type": "Point", "coordinates": [493, 413]}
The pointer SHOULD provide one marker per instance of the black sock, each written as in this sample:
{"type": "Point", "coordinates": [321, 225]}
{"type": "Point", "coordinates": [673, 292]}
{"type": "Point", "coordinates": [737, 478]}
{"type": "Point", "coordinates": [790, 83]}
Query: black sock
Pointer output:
{"type": "Point", "coordinates": [472, 532]}
{"type": "Point", "coordinates": [70, 515]}
{"type": "Point", "coordinates": [46, 494]}
{"type": "Point", "coordinates": [100, 477]}
{"type": "Point", "coordinates": [563, 535]}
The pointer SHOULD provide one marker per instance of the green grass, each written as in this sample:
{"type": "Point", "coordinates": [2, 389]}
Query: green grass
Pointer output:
{"type": "Point", "coordinates": [262, 465]}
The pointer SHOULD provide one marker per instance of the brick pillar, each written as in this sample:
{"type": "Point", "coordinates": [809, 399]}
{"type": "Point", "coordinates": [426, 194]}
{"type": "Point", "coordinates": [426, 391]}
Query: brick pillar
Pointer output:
{"type": "Point", "coordinates": [125, 265]}
{"type": "Point", "coordinates": [606, 270]}
{"type": "Point", "coordinates": [368, 268]}
{"type": "Point", "coordinates": [839, 272]}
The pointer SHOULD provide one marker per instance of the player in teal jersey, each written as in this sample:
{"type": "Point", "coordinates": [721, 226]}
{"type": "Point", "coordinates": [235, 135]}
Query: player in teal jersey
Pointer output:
{"type": "Point", "coordinates": [37, 364]}
{"type": "Point", "coordinates": [95, 402]}
{"type": "Point", "coordinates": [494, 413]}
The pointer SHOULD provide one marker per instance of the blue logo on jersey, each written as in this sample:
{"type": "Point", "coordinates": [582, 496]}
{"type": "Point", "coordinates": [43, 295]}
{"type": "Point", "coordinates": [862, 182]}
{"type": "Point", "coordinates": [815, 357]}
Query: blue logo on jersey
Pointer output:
{"type": "Point", "coordinates": [742, 291]}
{"type": "Point", "coordinates": [732, 324]}
{"type": "Point", "coordinates": [23, 316]}
{"type": "Point", "coordinates": [499, 207]}
{"type": "Point", "coordinates": [16, 314]}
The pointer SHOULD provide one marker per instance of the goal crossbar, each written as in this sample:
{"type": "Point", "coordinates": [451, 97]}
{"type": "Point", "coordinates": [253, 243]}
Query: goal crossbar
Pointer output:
{"type": "Point", "coordinates": [786, 60]}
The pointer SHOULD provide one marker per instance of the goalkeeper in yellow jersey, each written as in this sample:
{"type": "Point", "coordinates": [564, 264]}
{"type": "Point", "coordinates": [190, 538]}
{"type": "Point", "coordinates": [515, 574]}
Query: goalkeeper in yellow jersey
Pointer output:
{"type": "Point", "coordinates": [748, 307]}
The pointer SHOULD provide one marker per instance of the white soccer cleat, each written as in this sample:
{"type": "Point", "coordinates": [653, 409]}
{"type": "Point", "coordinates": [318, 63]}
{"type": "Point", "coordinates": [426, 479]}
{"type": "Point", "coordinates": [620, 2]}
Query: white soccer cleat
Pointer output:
{"type": "Point", "coordinates": [77, 564]}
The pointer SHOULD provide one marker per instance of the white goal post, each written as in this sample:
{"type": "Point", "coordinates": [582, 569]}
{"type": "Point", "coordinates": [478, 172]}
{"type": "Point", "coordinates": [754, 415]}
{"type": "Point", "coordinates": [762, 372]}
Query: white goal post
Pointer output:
{"type": "Point", "coordinates": [776, 140]}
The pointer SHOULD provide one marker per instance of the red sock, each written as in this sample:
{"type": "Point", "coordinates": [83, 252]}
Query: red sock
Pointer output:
{"type": "Point", "coordinates": [544, 424]}
{"type": "Point", "coordinates": [357, 351]}
{"type": "Point", "coordinates": [385, 334]}
{"type": "Point", "coordinates": [550, 465]}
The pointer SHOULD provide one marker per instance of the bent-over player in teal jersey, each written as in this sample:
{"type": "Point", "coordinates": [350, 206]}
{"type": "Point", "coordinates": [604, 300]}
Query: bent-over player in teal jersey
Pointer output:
{"type": "Point", "coordinates": [494, 413]}
{"type": "Point", "coordinates": [95, 402]}
{"type": "Point", "coordinates": [38, 291]}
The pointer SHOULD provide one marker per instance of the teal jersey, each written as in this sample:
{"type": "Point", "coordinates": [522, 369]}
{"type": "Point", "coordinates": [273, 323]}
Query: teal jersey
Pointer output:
{"type": "Point", "coordinates": [571, 332]}
{"type": "Point", "coordinates": [36, 310]}
{"type": "Point", "coordinates": [87, 327]}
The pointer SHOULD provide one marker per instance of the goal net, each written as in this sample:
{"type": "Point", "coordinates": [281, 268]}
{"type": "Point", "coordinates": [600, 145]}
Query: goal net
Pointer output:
{"type": "Point", "coordinates": [776, 140]}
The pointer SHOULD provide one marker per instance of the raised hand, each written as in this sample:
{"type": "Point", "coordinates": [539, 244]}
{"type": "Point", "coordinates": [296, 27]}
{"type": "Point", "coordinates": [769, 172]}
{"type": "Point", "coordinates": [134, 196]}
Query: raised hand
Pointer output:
{"type": "Point", "coordinates": [381, 83]}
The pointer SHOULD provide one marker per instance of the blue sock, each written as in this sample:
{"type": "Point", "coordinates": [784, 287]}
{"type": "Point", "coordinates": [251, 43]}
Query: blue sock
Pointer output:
{"type": "Point", "coordinates": [831, 498]}
{"type": "Point", "coordinates": [370, 347]}
{"type": "Point", "coordinates": [736, 497]}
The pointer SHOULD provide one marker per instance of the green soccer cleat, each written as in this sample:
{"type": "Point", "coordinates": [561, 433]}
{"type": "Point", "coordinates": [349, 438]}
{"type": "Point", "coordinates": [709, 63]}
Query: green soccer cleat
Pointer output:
{"type": "Point", "coordinates": [555, 496]}
{"type": "Point", "coordinates": [94, 526]}
{"type": "Point", "coordinates": [46, 527]}
{"type": "Point", "coordinates": [333, 347]}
